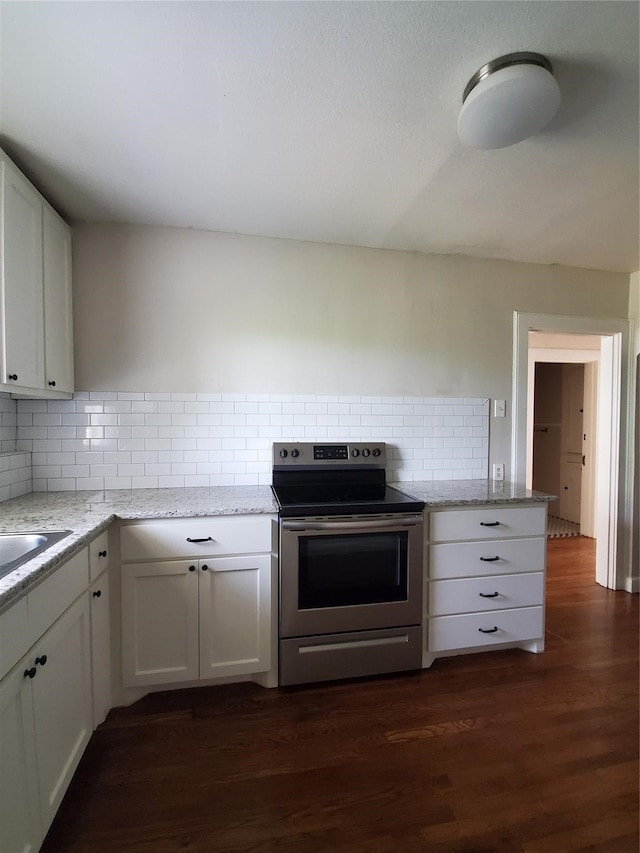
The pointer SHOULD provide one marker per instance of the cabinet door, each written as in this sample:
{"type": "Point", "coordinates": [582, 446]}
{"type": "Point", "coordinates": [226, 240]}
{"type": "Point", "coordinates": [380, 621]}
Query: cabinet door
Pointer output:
{"type": "Point", "coordinates": [100, 648]}
{"type": "Point", "coordinates": [235, 615]}
{"type": "Point", "coordinates": [58, 313]}
{"type": "Point", "coordinates": [22, 296]}
{"type": "Point", "coordinates": [20, 830]}
{"type": "Point", "coordinates": [62, 703]}
{"type": "Point", "coordinates": [159, 623]}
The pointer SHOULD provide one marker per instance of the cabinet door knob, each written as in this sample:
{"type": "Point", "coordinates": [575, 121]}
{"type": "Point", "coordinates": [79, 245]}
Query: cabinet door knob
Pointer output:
{"type": "Point", "coordinates": [52, 382]}
{"type": "Point", "coordinates": [97, 593]}
{"type": "Point", "coordinates": [192, 568]}
{"type": "Point", "coordinates": [102, 553]}
{"type": "Point", "coordinates": [41, 660]}
{"type": "Point", "coordinates": [30, 673]}
{"type": "Point", "coordinates": [13, 376]}
{"type": "Point", "coordinates": [205, 568]}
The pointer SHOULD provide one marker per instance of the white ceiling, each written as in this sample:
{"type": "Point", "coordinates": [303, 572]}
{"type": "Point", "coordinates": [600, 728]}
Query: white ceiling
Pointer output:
{"type": "Point", "coordinates": [327, 121]}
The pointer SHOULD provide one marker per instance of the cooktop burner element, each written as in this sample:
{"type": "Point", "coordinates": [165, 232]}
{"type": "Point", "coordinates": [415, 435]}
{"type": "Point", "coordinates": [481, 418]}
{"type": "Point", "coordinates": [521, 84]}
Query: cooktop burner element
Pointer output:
{"type": "Point", "coordinates": [313, 479]}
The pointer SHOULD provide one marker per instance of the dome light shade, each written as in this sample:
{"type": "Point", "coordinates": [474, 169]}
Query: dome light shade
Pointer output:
{"type": "Point", "coordinates": [508, 100]}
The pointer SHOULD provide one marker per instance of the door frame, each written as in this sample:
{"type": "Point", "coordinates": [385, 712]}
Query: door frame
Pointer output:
{"type": "Point", "coordinates": [614, 487]}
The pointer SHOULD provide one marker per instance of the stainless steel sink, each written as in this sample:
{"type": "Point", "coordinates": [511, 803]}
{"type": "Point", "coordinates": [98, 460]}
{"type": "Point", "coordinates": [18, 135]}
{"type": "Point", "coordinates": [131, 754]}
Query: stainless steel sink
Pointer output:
{"type": "Point", "coordinates": [17, 548]}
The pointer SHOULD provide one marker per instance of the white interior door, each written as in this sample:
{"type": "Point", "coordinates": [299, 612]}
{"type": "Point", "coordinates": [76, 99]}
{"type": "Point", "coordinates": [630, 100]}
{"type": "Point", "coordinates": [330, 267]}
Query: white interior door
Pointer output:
{"type": "Point", "coordinates": [571, 441]}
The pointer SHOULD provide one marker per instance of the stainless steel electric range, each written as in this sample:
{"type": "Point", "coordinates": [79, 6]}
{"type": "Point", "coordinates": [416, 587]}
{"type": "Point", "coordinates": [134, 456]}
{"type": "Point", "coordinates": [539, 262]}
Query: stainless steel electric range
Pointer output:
{"type": "Point", "coordinates": [350, 564]}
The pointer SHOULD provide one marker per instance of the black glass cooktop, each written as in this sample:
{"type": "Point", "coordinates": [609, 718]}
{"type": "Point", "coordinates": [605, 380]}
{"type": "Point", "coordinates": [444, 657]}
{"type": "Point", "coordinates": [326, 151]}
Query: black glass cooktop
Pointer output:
{"type": "Point", "coordinates": [335, 494]}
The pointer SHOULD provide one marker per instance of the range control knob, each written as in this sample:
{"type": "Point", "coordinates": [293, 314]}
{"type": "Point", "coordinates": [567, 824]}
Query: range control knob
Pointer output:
{"type": "Point", "coordinates": [376, 451]}
{"type": "Point", "coordinates": [284, 453]}
{"type": "Point", "coordinates": [366, 452]}
{"type": "Point", "coordinates": [295, 453]}
{"type": "Point", "coordinates": [355, 452]}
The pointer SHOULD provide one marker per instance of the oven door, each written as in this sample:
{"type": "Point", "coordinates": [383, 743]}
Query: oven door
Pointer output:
{"type": "Point", "coordinates": [353, 574]}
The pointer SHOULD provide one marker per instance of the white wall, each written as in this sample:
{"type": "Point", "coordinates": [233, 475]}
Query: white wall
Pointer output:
{"type": "Point", "coordinates": [159, 309]}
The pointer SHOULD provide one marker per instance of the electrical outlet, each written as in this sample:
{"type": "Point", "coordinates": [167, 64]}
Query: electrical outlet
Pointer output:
{"type": "Point", "coordinates": [498, 471]}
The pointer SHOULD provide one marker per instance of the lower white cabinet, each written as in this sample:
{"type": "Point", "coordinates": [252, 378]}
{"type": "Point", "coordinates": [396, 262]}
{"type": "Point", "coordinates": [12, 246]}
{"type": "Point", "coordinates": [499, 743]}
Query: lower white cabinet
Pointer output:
{"type": "Point", "coordinates": [20, 824]}
{"type": "Point", "coordinates": [62, 703]}
{"type": "Point", "coordinates": [235, 615]}
{"type": "Point", "coordinates": [46, 722]}
{"type": "Point", "coordinates": [185, 620]}
{"type": "Point", "coordinates": [100, 648]}
{"type": "Point", "coordinates": [190, 620]}
{"type": "Point", "coordinates": [159, 623]}
{"type": "Point", "coordinates": [485, 577]}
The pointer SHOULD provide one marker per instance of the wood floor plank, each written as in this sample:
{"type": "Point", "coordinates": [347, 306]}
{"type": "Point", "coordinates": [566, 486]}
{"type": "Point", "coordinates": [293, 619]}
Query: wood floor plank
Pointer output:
{"type": "Point", "coordinates": [500, 752]}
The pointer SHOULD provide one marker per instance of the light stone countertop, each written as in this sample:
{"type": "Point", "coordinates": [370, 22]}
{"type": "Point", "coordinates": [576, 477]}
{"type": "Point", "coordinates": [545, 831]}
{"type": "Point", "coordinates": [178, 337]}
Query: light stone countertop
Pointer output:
{"type": "Point", "coordinates": [86, 514]}
{"type": "Point", "coordinates": [439, 493]}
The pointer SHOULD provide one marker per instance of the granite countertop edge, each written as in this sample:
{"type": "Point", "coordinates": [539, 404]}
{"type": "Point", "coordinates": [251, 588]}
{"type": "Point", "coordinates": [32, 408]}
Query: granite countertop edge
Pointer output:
{"type": "Point", "coordinates": [86, 514]}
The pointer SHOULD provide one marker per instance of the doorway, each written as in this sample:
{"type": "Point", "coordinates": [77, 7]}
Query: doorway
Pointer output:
{"type": "Point", "coordinates": [612, 484]}
{"type": "Point", "coordinates": [562, 428]}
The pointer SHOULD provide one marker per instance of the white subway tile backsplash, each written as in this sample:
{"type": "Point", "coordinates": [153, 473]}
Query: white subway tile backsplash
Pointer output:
{"type": "Point", "coordinates": [150, 440]}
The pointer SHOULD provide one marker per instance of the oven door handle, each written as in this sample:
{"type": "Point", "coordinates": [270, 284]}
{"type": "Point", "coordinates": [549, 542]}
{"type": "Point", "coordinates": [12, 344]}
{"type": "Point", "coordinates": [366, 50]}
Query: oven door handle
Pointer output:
{"type": "Point", "coordinates": [378, 524]}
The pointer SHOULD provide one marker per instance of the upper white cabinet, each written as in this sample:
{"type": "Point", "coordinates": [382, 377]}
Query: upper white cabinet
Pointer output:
{"type": "Point", "coordinates": [36, 340]}
{"type": "Point", "coordinates": [58, 311]}
{"type": "Point", "coordinates": [22, 288]}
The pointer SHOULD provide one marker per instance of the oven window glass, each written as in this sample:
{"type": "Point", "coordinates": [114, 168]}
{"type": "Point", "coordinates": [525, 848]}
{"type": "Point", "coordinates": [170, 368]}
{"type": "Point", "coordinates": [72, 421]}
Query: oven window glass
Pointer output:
{"type": "Point", "coordinates": [343, 570]}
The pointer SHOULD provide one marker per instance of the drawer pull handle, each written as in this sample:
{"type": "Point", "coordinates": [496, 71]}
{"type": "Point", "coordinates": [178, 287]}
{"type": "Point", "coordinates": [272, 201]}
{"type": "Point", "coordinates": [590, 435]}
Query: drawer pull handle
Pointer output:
{"type": "Point", "coordinates": [30, 673]}
{"type": "Point", "coordinates": [489, 559]}
{"type": "Point", "coordinates": [102, 553]}
{"type": "Point", "coordinates": [41, 660]}
{"type": "Point", "coordinates": [208, 539]}
{"type": "Point", "coordinates": [488, 630]}
{"type": "Point", "coordinates": [488, 594]}
{"type": "Point", "coordinates": [489, 524]}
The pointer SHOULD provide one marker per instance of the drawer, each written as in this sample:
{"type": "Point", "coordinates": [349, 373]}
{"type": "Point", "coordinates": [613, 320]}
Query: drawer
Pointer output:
{"type": "Point", "coordinates": [476, 559]}
{"type": "Point", "coordinates": [468, 631]}
{"type": "Point", "coordinates": [487, 523]}
{"type": "Point", "coordinates": [52, 597]}
{"type": "Point", "coordinates": [169, 539]}
{"type": "Point", "coordinates": [22, 624]}
{"type": "Point", "coordinates": [479, 594]}
{"type": "Point", "coordinates": [15, 636]}
{"type": "Point", "coordinates": [99, 555]}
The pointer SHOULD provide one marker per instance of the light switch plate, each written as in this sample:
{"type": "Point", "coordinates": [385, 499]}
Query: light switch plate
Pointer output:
{"type": "Point", "coordinates": [499, 408]}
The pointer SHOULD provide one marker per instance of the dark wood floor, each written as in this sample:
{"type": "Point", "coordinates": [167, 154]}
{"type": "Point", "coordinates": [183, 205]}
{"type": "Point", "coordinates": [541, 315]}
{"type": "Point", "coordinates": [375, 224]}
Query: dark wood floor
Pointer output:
{"type": "Point", "coordinates": [505, 752]}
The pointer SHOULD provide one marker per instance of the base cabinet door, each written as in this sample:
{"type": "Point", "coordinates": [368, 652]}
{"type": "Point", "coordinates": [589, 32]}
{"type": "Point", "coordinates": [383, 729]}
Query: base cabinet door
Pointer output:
{"type": "Point", "coordinates": [100, 648]}
{"type": "Point", "coordinates": [159, 623]}
{"type": "Point", "coordinates": [235, 607]}
{"type": "Point", "coordinates": [20, 828]}
{"type": "Point", "coordinates": [62, 706]}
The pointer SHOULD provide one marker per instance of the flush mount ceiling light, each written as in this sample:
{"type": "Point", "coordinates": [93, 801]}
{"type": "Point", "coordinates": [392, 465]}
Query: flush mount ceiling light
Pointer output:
{"type": "Point", "coordinates": [507, 100]}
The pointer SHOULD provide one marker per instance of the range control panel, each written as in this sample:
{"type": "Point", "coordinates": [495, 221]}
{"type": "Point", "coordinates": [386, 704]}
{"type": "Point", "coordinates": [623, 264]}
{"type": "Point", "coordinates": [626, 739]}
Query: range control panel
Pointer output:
{"type": "Point", "coordinates": [356, 454]}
